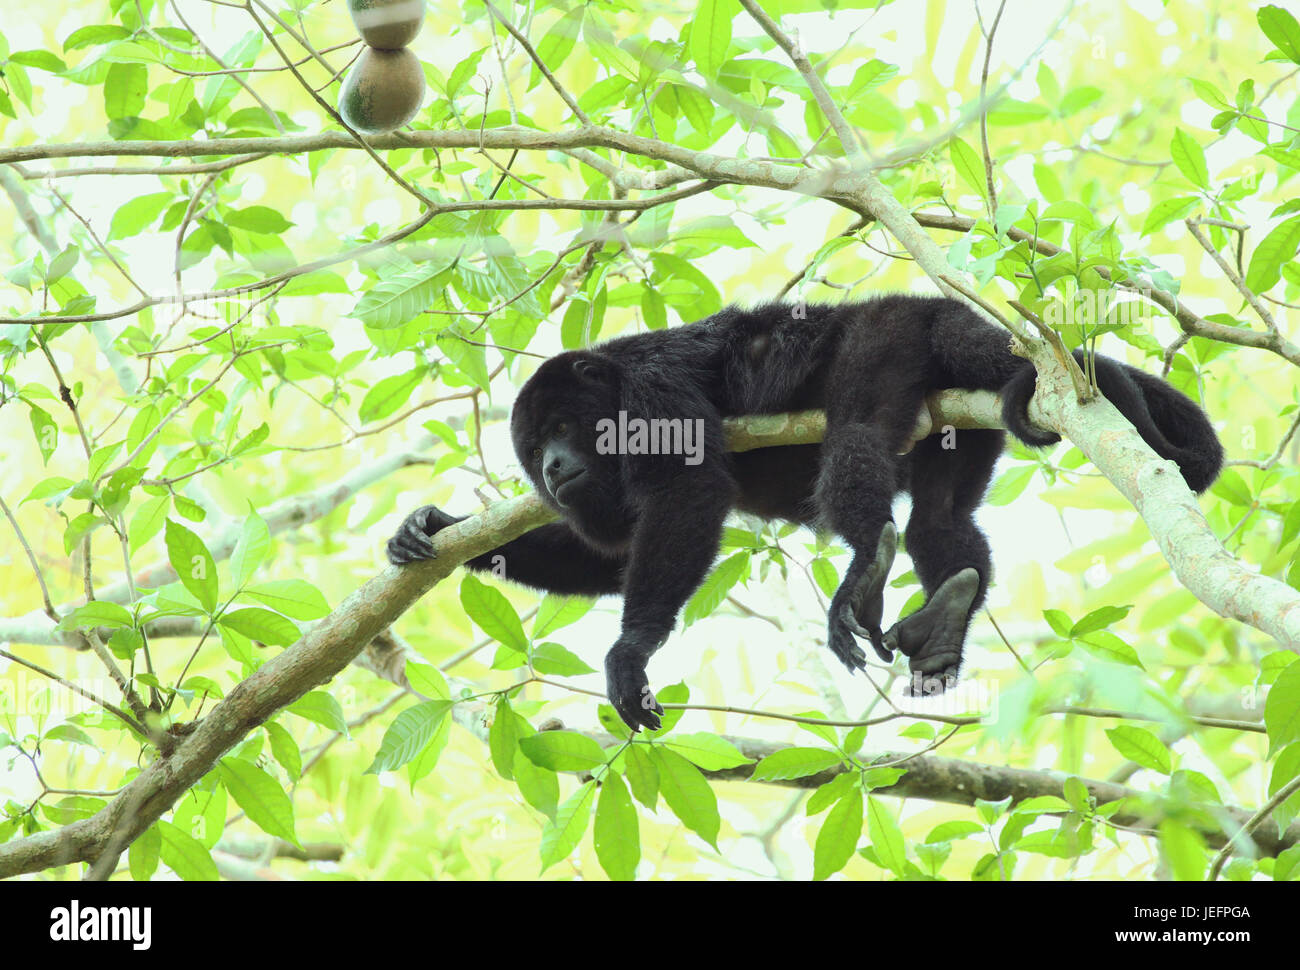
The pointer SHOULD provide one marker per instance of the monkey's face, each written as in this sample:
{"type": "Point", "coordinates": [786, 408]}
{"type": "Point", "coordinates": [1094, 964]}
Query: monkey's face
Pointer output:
{"type": "Point", "coordinates": [554, 426]}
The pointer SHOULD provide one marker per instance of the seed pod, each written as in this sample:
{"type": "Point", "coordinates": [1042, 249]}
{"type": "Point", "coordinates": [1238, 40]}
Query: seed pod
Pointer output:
{"type": "Point", "coordinates": [383, 91]}
{"type": "Point", "coordinates": [387, 24]}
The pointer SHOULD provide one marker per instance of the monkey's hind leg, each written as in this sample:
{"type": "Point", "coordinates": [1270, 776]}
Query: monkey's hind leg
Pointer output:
{"type": "Point", "coordinates": [932, 637]}
{"type": "Point", "coordinates": [951, 555]}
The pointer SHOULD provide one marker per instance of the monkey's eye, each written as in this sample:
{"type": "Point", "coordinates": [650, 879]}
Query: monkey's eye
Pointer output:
{"type": "Point", "coordinates": [561, 428]}
{"type": "Point", "coordinates": [537, 454]}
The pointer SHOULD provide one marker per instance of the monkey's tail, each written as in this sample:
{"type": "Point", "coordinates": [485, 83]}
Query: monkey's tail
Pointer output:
{"type": "Point", "coordinates": [1170, 422]}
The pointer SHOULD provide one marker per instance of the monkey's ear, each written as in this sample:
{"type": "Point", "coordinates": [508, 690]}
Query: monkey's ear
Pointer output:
{"type": "Point", "coordinates": [586, 369]}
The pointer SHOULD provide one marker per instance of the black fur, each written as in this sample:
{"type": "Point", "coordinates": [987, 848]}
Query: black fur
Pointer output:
{"type": "Point", "coordinates": [648, 526]}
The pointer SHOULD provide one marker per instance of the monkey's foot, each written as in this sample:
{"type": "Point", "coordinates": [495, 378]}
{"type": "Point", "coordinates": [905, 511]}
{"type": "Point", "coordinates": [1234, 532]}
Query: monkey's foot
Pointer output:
{"type": "Point", "coordinates": [932, 637]}
{"type": "Point", "coordinates": [859, 604]}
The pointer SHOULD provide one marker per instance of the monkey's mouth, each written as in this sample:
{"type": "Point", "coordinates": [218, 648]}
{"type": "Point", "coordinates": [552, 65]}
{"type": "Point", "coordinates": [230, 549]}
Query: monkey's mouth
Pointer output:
{"type": "Point", "coordinates": [564, 490]}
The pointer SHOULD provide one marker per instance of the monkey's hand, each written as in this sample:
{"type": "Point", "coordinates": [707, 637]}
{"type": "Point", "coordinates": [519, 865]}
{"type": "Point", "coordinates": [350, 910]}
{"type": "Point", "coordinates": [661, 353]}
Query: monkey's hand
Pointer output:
{"type": "Point", "coordinates": [629, 688]}
{"type": "Point", "coordinates": [413, 541]}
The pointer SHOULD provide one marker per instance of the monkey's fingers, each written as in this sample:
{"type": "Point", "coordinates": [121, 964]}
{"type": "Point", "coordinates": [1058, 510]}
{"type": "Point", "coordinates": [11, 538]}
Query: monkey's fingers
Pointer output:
{"type": "Point", "coordinates": [410, 544]}
{"type": "Point", "coordinates": [840, 637]}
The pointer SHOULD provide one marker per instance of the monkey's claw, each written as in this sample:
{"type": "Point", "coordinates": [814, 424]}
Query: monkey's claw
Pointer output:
{"type": "Point", "coordinates": [628, 690]}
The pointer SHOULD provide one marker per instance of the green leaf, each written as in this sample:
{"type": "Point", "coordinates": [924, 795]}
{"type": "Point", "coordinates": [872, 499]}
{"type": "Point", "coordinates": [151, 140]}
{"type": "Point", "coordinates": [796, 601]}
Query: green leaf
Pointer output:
{"type": "Point", "coordinates": [138, 214]}
{"type": "Point", "coordinates": [558, 611]}
{"type": "Point", "coordinates": [321, 708]}
{"type": "Point", "coordinates": [93, 35]}
{"type": "Point", "coordinates": [839, 835]}
{"type": "Point", "coordinates": [1184, 850]}
{"type": "Point", "coordinates": [266, 804]}
{"type": "Point", "coordinates": [493, 613]}
{"type": "Point", "coordinates": [1209, 93]}
{"type": "Point", "coordinates": [1107, 646]}
{"type": "Point", "coordinates": [96, 613]}
{"type": "Point", "coordinates": [45, 430]}
{"type": "Point", "coordinates": [539, 786]}
{"type": "Point", "coordinates": [202, 814]}
{"type": "Point", "coordinates": [1060, 623]}
{"type": "Point", "coordinates": [711, 35]}
{"type": "Point", "coordinates": [688, 794]}
{"type": "Point", "coordinates": [562, 835]}
{"type": "Point", "coordinates": [147, 520]}
{"type": "Point", "coordinates": [125, 88]}
{"type": "Point", "coordinates": [616, 835]}
{"type": "Point", "coordinates": [1280, 26]}
{"type": "Point", "coordinates": [990, 811]}
{"type": "Point", "coordinates": [427, 758]}
{"type": "Point", "coordinates": [186, 856]}
{"type": "Point", "coordinates": [394, 301]}
{"type": "Point", "coordinates": [1287, 865]}
{"type": "Point", "coordinates": [795, 763]}
{"type": "Point", "coordinates": [1079, 98]}
{"type": "Point", "coordinates": [886, 837]}
{"type": "Point", "coordinates": [389, 394]}
{"type": "Point", "coordinates": [653, 308]}
{"type": "Point", "coordinates": [463, 71]}
{"type": "Point", "coordinates": [427, 680]}
{"type": "Point", "coordinates": [58, 484]}
{"type": "Point", "coordinates": [284, 749]}
{"type": "Point", "coordinates": [503, 739]}
{"type": "Point", "coordinates": [562, 751]}
{"type": "Point", "coordinates": [142, 857]}
{"type": "Point", "coordinates": [252, 439]}
{"type": "Point", "coordinates": [250, 550]}
{"type": "Point", "coordinates": [1275, 249]}
{"type": "Point", "coordinates": [1190, 158]}
{"type": "Point", "coordinates": [257, 218]}
{"type": "Point", "coordinates": [716, 586]}
{"type": "Point", "coordinates": [968, 166]}
{"type": "Point", "coordinates": [551, 658]}
{"type": "Point", "coordinates": [957, 829]}
{"type": "Point", "coordinates": [1099, 619]}
{"type": "Point", "coordinates": [1141, 746]}
{"type": "Point", "coordinates": [558, 42]}
{"type": "Point", "coordinates": [1010, 484]}
{"type": "Point", "coordinates": [870, 75]}
{"type": "Point", "coordinates": [193, 564]}
{"type": "Point", "coordinates": [642, 775]}
{"type": "Point", "coordinates": [1282, 709]}
{"type": "Point", "coordinates": [1167, 210]}
{"type": "Point", "coordinates": [295, 598]}
{"type": "Point", "coordinates": [69, 733]}
{"type": "Point", "coordinates": [707, 751]}
{"type": "Point", "coordinates": [259, 624]}
{"type": "Point", "coordinates": [1008, 111]}
{"type": "Point", "coordinates": [408, 734]}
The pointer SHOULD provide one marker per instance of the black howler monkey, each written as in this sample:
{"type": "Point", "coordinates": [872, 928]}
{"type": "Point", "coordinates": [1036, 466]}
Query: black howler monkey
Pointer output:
{"type": "Point", "coordinates": [647, 525]}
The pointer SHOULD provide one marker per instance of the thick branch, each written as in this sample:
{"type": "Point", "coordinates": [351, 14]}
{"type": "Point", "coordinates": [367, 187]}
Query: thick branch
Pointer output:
{"type": "Point", "coordinates": [310, 662]}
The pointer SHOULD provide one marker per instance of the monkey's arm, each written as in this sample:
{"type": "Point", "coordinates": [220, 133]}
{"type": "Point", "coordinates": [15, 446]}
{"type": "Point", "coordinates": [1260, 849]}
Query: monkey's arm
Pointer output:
{"type": "Point", "coordinates": [549, 558]}
{"type": "Point", "coordinates": [677, 537]}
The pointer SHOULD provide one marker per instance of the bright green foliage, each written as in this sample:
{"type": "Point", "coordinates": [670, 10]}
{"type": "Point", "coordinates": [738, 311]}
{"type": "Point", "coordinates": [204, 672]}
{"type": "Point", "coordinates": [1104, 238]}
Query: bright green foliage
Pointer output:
{"type": "Point", "coordinates": [224, 379]}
